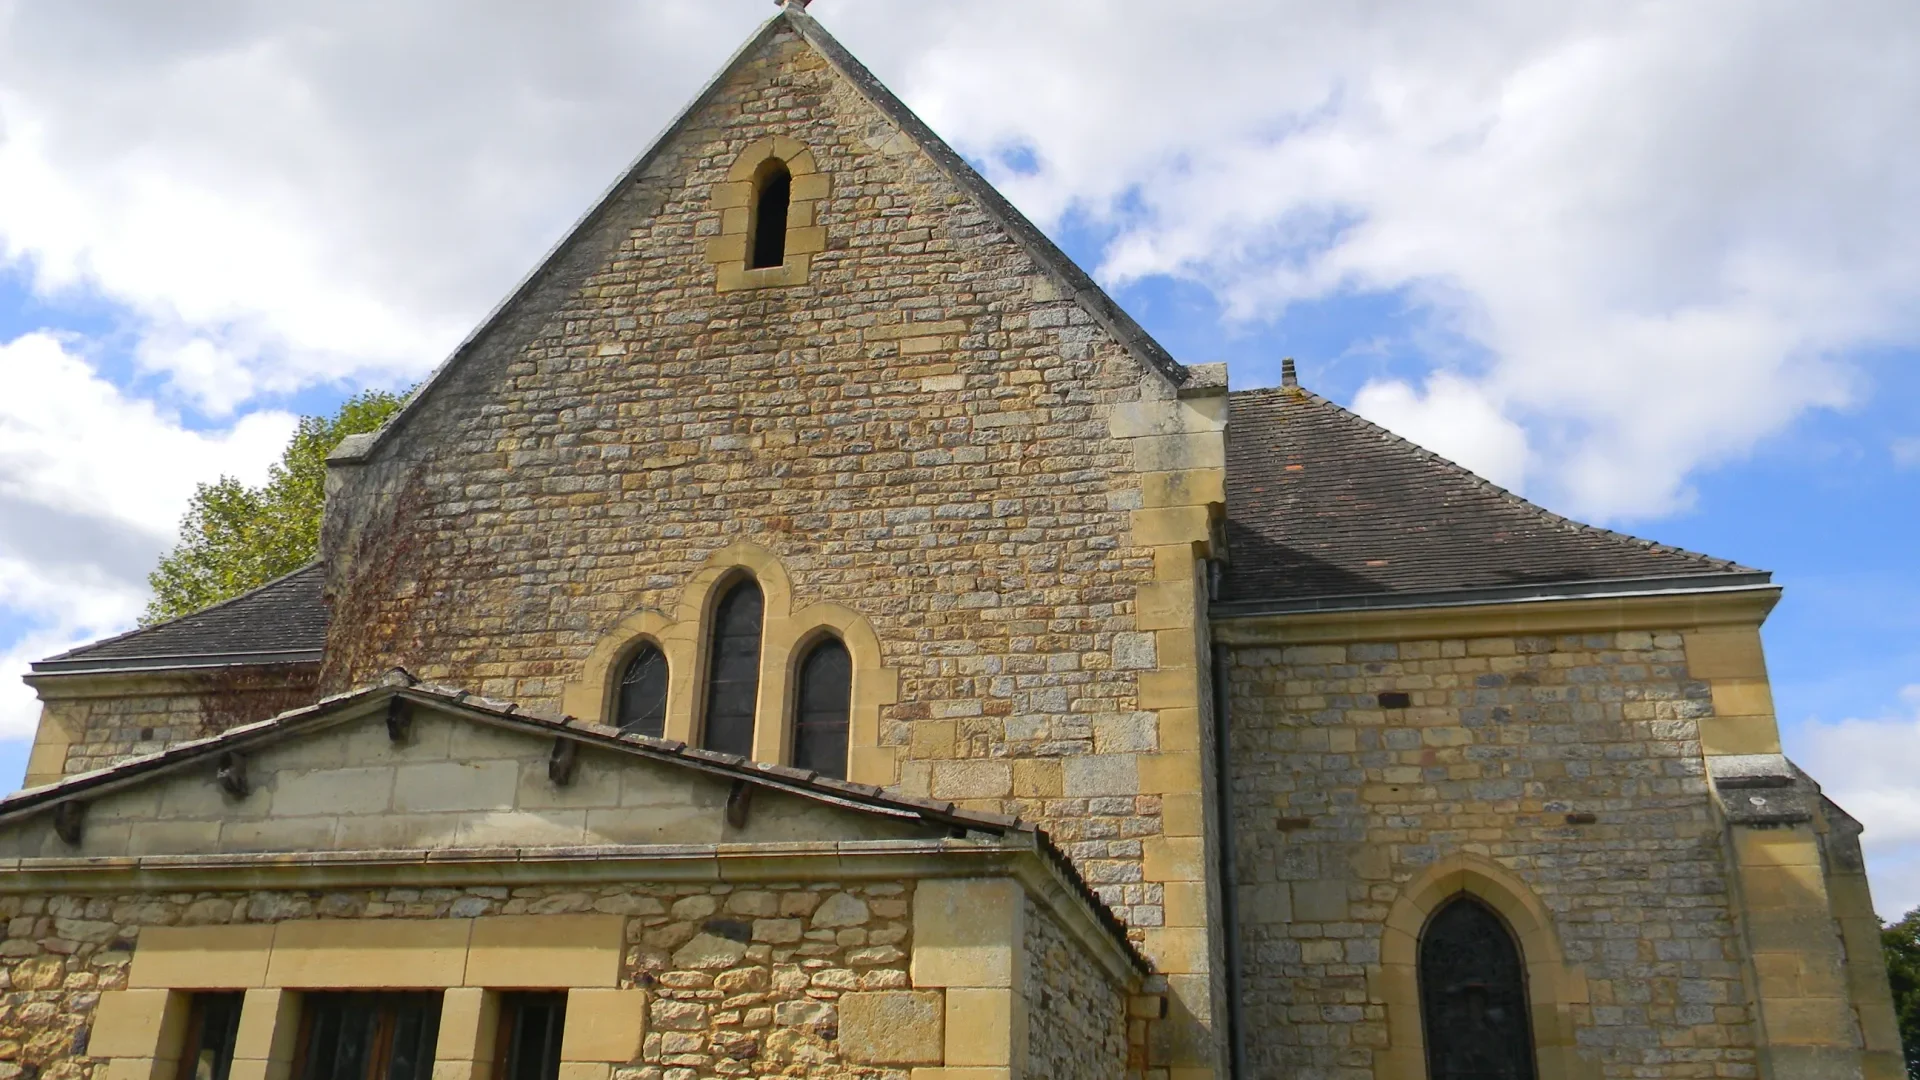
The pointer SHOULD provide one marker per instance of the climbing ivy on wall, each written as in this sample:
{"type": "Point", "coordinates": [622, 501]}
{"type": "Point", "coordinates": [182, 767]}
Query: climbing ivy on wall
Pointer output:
{"type": "Point", "coordinates": [235, 537]}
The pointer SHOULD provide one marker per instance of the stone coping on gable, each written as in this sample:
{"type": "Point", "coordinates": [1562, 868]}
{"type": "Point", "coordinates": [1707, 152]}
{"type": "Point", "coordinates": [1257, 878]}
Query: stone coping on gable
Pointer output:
{"type": "Point", "coordinates": [974, 833]}
{"type": "Point", "coordinates": [1081, 287]}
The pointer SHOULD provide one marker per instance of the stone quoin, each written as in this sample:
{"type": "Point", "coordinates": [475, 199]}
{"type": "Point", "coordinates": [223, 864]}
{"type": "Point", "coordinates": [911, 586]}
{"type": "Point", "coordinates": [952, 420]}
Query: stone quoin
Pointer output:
{"type": "Point", "coordinates": [810, 630]}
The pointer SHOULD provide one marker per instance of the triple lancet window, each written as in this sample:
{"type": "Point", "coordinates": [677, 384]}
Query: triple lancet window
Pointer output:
{"type": "Point", "coordinates": [741, 638]}
{"type": "Point", "coordinates": [1473, 996]}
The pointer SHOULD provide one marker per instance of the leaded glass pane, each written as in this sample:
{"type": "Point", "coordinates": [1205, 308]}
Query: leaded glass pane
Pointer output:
{"type": "Point", "coordinates": [643, 693]}
{"type": "Point", "coordinates": [733, 682]}
{"type": "Point", "coordinates": [820, 720]}
{"type": "Point", "coordinates": [1473, 997]}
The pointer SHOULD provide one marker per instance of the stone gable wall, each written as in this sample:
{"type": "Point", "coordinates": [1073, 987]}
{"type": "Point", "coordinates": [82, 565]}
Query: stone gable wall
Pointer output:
{"type": "Point", "coordinates": [104, 721]}
{"type": "Point", "coordinates": [921, 432]}
{"type": "Point", "coordinates": [1339, 804]}
{"type": "Point", "coordinates": [1077, 1015]}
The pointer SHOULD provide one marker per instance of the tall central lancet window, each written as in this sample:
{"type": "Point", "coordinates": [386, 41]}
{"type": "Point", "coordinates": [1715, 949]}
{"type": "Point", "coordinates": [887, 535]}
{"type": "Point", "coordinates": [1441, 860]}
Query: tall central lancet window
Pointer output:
{"type": "Point", "coordinates": [820, 717]}
{"type": "Point", "coordinates": [733, 669]}
{"type": "Point", "coordinates": [1473, 996]}
{"type": "Point", "coordinates": [772, 197]}
{"type": "Point", "coordinates": [643, 693]}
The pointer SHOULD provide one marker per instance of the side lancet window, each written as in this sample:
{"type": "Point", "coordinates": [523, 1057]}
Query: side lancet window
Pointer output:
{"type": "Point", "coordinates": [643, 693]}
{"type": "Point", "coordinates": [772, 196]}
{"type": "Point", "coordinates": [1473, 996]}
{"type": "Point", "coordinates": [823, 702]}
{"type": "Point", "coordinates": [733, 670]}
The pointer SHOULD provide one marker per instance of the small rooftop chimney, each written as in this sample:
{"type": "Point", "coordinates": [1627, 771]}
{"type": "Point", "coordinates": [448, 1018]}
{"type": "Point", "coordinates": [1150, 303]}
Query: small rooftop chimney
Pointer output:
{"type": "Point", "coordinates": [1288, 376]}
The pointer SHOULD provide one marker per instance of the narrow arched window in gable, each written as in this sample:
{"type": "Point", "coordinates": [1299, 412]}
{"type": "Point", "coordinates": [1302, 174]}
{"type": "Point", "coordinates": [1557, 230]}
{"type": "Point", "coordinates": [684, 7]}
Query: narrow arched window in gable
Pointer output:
{"type": "Point", "coordinates": [1473, 996]}
{"type": "Point", "coordinates": [773, 193]}
{"type": "Point", "coordinates": [733, 669]}
{"type": "Point", "coordinates": [643, 693]}
{"type": "Point", "coordinates": [822, 705]}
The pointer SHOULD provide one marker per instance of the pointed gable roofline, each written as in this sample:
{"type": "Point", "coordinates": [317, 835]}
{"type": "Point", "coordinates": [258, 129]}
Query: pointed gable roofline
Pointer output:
{"type": "Point", "coordinates": [399, 691]}
{"type": "Point", "coordinates": [1079, 284]}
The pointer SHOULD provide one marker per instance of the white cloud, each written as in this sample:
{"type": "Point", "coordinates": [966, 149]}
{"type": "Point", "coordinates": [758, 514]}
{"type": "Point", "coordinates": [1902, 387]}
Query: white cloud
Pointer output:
{"type": "Point", "coordinates": [1454, 417]}
{"type": "Point", "coordinates": [292, 196]}
{"type": "Point", "coordinates": [1662, 225]}
{"type": "Point", "coordinates": [92, 484]}
{"type": "Point", "coordinates": [1868, 766]}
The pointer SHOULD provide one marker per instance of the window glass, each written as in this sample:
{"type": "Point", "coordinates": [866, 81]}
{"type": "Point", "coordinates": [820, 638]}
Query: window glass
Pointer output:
{"type": "Point", "coordinates": [643, 693]}
{"type": "Point", "coordinates": [1473, 996]}
{"type": "Point", "coordinates": [213, 1020]}
{"type": "Point", "coordinates": [823, 701]}
{"type": "Point", "coordinates": [368, 1036]}
{"type": "Point", "coordinates": [530, 1029]}
{"type": "Point", "coordinates": [733, 664]}
{"type": "Point", "coordinates": [770, 218]}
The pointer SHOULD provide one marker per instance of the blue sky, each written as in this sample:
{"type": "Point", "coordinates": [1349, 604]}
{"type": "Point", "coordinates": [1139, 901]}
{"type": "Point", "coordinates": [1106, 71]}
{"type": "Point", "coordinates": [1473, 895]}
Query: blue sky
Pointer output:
{"type": "Point", "coordinates": [1650, 265]}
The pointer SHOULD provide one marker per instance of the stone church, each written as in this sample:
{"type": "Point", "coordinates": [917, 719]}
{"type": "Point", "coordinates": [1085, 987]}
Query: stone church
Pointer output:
{"type": "Point", "coordinates": [809, 630]}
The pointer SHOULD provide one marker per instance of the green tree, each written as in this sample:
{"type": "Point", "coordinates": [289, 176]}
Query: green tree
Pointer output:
{"type": "Point", "coordinates": [1902, 943]}
{"type": "Point", "coordinates": [234, 537]}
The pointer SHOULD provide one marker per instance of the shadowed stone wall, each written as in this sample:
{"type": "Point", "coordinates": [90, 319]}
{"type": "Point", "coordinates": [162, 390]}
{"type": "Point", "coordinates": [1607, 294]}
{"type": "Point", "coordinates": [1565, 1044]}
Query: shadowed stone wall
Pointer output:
{"type": "Point", "coordinates": [1339, 802]}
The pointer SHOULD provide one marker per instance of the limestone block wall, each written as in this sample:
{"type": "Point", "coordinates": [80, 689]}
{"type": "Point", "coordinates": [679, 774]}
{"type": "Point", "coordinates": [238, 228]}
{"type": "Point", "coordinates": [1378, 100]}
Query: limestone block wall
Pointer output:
{"type": "Point", "coordinates": [1076, 1014]}
{"type": "Point", "coordinates": [1560, 774]}
{"type": "Point", "coordinates": [921, 431]}
{"type": "Point", "coordinates": [89, 722]}
{"type": "Point", "coordinates": [908, 980]}
{"type": "Point", "coordinates": [920, 422]}
{"type": "Point", "coordinates": [732, 981]}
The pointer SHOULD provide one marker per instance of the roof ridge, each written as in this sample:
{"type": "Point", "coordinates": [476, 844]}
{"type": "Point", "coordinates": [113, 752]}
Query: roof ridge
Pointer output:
{"type": "Point", "coordinates": [1085, 291]}
{"type": "Point", "coordinates": [1514, 500]}
{"type": "Point", "coordinates": [138, 630]}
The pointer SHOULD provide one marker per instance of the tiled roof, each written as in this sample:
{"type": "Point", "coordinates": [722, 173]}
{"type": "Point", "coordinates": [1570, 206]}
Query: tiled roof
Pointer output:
{"type": "Point", "coordinates": [283, 621]}
{"type": "Point", "coordinates": [1325, 508]}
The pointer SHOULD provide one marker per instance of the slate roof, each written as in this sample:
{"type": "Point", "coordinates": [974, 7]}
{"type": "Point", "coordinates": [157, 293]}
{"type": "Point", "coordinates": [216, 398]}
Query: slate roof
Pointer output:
{"type": "Point", "coordinates": [1326, 510]}
{"type": "Point", "coordinates": [283, 621]}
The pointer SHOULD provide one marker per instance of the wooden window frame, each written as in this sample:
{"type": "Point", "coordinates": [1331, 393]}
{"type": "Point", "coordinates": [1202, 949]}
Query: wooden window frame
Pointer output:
{"type": "Point", "coordinates": [512, 1003]}
{"type": "Point", "coordinates": [197, 1004]}
{"type": "Point", "coordinates": [380, 1054]}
